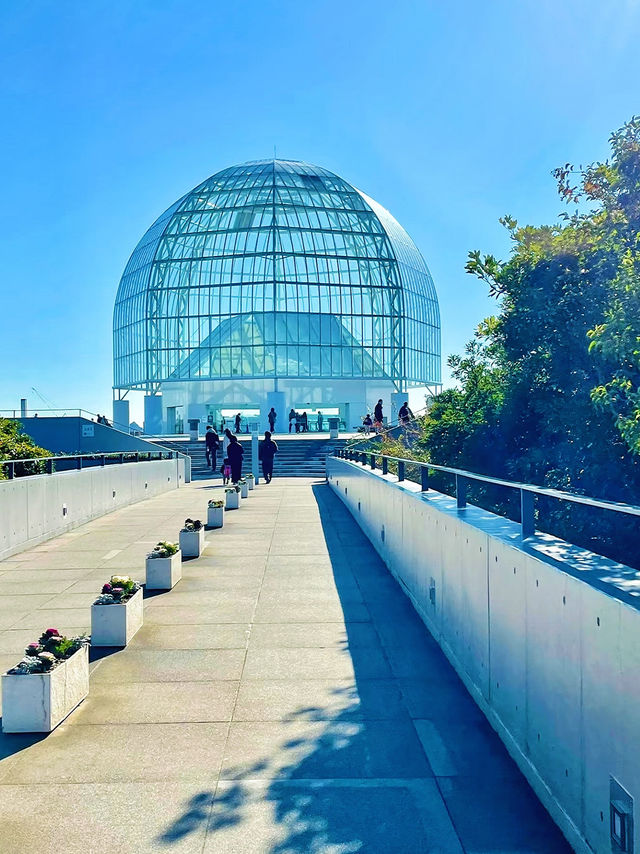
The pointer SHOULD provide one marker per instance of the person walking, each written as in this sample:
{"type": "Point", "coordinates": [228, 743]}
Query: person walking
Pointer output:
{"type": "Point", "coordinates": [292, 418]}
{"type": "Point", "coordinates": [234, 455]}
{"type": "Point", "coordinates": [320, 422]}
{"type": "Point", "coordinates": [238, 419]}
{"type": "Point", "coordinates": [367, 422]}
{"type": "Point", "coordinates": [377, 415]}
{"type": "Point", "coordinates": [298, 422]}
{"type": "Point", "coordinates": [212, 443]}
{"type": "Point", "coordinates": [272, 419]}
{"type": "Point", "coordinates": [305, 422]}
{"type": "Point", "coordinates": [266, 452]}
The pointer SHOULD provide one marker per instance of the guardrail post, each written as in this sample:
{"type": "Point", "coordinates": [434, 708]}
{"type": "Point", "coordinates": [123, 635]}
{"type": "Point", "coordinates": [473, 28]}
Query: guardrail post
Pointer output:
{"type": "Point", "coordinates": [363, 458]}
{"type": "Point", "coordinates": [121, 458]}
{"type": "Point", "coordinates": [79, 463]}
{"type": "Point", "coordinates": [49, 467]}
{"type": "Point", "coordinates": [137, 456]}
{"type": "Point", "coordinates": [461, 492]}
{"type": "Point", "coordinates": [10, 470]}
{"type": "Point", "coordinates": [102, 460]}
{"type": "Point", "coordinates": [373, 461]}
{"type": "Point", "coordinates": [424, 478]}
{"type": "Point", "coordinates": [400, 470]}
{"type": "Point", "coordinates": [527, 517]}
{"type": "Point", "coordinates": [385, 465]}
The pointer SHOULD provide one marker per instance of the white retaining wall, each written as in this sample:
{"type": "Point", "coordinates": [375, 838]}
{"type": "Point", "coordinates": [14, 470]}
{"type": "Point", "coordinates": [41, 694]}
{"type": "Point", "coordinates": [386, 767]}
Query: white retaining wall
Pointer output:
{"type": "Point", "coordinates": [545, 636]}
{"type": "Point", "coordinates": [32, 509]}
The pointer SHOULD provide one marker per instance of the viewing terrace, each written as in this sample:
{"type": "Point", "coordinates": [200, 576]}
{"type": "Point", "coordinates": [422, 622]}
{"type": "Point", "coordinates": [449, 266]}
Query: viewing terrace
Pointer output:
{"type": "Point", "coordinates": [285, 696]}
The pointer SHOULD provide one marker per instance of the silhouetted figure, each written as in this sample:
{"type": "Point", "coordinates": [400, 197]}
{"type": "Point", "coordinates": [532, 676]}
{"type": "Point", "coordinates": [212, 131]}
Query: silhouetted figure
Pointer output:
{"type": "Point", "coordinates": [405, 414]}
{"type": "Point", "coordinates": [212, 443]}
{"type": "Point", "coordinates": [292, 418]}
{"type": "Point", "coordinates": [238, 419]}
{"type": "Point", "coordinates": [305, 422]}
{"type": "Point", "coordinates": [377, 415]}
{"type": "Point", "coordinates": [234, 455]}
{"type": "Point", "coordinates": [266, 452]}
{"type": "Point", "coordinates": [320, 422]}
{"type": "Point", "coordinates": [272, 419]}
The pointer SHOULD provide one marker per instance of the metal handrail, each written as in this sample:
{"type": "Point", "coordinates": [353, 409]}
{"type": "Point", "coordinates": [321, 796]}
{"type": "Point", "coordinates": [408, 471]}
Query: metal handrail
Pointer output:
{"type": "Point", "coordinates": [389, 428]}
{"type": "Point", "coordinates": [120, 458]}
{"type": "Point", "coordinates": [528, 491]}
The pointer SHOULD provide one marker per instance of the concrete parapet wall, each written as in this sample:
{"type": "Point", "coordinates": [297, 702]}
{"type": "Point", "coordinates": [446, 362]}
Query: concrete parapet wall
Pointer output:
{"type": "Point", "coordinates": [32, 509]}
{"type": "Point", "coordinates": [545, 636]}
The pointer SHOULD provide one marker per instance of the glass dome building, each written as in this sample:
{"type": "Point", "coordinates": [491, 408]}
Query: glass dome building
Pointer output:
{"type": "Point", "coordinates": [273, 283]}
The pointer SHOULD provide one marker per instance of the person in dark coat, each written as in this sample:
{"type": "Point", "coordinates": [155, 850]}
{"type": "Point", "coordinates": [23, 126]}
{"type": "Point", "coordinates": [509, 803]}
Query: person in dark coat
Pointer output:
{"type": "Point", "coordinates": [272, 419]}
{"type": "Point", "coordinates": [212, 442]}
{"type": "Point", "coordinates": [377, 415]}
{"type": "Point", "coordinates": [292, 418]}
{"type": "Point", "coordinates": [238, 419]}
{"type": "Point", "coordinates": [405, 414]}
{"type": "Point", "coordinates": [234, 454]}
{"type": "Point", "coordinates": [267, 451]}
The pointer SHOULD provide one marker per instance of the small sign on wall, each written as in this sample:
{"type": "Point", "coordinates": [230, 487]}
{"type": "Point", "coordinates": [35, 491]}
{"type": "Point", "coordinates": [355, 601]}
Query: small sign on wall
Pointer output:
{"type": "Point", "coordinates": [88, 431]}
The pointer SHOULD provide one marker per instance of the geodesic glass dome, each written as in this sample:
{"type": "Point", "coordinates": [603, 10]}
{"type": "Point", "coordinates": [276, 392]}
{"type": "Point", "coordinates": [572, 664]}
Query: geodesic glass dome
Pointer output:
{"type": "Point", "coordinates": [277, 269]}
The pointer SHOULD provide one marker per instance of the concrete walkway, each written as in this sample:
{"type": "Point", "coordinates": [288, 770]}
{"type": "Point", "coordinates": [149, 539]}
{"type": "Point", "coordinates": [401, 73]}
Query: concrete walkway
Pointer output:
{"type": "Point", "coordinates": [283, 698]}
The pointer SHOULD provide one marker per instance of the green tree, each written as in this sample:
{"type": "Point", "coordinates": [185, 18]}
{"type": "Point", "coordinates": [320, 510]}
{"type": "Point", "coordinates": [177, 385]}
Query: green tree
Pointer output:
{"type": "Point", "coordinates": [548, 389]}
{"type": "Point", "coordinates": [16, 445]}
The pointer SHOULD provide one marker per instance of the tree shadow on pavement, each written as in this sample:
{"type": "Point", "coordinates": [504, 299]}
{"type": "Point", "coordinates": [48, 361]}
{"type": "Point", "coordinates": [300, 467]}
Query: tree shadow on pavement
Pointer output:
{"type": "Point", "coordinates": [351, 774]}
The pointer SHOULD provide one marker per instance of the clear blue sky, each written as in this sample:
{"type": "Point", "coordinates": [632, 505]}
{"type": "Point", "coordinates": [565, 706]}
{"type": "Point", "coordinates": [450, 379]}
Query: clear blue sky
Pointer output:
{"type": "Point", "coordinates": [449, 114]}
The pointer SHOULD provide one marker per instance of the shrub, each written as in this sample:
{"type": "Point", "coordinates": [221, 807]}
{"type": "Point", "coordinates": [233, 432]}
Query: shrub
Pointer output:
{"type": "Point", "coordinates": [192, 525]}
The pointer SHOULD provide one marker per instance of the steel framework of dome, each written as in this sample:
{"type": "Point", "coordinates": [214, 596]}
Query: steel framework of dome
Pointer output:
{"type": "Point", "coordinates": [275, 269]}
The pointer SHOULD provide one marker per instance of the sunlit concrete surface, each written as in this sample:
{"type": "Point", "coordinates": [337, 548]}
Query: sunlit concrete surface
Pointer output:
{"type": "Point", "coordinates": [283, 698]}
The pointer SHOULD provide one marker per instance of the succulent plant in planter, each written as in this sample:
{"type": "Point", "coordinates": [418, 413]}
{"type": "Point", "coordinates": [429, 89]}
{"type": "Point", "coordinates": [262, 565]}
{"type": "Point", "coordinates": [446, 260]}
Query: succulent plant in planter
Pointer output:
{"type": "Point", "coordinates": [115, 626]}
{"type": "Point", "coordinates": [192, 538]}
{"type": "Point", "coordinates": [47, 653]}
{"type": "Point", "coordinates": [118, 590]}
{"type": "Point", "coordinates": [215, 513]}
{"type": "Point", "coordinates": [49, 682]}
{"type": "Point", "coordinates": [163, 549]}
{"type": "Point", "coordinates": [164, 566]}
{"type": "Point", "coordinates": [251, 480]}
{"type": "Point", "coordinates": [232, 497]}
{"type": "Point", "coordinates": [244, 487]}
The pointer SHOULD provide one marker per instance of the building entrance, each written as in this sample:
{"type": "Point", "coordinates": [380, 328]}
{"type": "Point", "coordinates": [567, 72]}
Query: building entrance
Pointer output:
{"type": "Point", "coordinates": [225, 417]}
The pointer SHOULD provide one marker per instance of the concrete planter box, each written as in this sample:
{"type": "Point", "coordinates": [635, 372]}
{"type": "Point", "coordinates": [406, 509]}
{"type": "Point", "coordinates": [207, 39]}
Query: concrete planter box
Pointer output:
{"type": "Point", "coordinates": [251, 481]}
{"type": "Point", "coordinates": [115, 625]}
{"type": "Point", "coordinates": [215, 517]}
{"type": "Point", "coordinates": [232, 500]}
{"type": "Point", "coordinates": [192, 543]}
{"type": "Point", "coordinates": [244, 490]}
{"type": "Point", "coordinates": [163, 573]}
{"type": "Point", "coordinates": [40, 701]}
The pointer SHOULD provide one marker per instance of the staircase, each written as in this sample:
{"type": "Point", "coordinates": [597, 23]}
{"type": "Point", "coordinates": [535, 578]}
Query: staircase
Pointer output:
{"type": "Point", "coordinates": [296, 457]}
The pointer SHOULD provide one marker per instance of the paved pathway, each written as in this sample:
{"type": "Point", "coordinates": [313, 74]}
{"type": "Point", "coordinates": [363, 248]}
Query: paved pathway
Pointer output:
{"type": "Point", "coordinates": [283, 698]}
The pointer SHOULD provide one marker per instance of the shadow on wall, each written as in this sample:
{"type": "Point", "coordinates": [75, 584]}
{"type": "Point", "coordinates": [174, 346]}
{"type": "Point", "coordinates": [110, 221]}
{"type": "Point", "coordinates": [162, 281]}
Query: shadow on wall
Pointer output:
{"type": "Point", "coordinates": [351, 774]}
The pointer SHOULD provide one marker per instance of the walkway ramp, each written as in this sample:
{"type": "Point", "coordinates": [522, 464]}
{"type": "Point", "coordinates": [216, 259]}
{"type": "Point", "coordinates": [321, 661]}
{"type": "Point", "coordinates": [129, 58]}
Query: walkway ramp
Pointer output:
{"type": "Point", "coordinates": [283, 698]}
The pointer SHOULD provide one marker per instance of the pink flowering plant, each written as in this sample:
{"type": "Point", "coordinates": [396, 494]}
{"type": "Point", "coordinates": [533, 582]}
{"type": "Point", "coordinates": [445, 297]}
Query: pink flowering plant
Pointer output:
{"type": "Point", "coordinates": [51, 649]}
{"type": "Point", "coordinates": [118, 590]}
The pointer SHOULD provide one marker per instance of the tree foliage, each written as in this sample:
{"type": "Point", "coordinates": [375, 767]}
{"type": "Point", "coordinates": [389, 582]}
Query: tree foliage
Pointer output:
{"type": "Point", "coordinates": [16, 445]}
{"type": "Point", "coordinates": [549, 389]}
